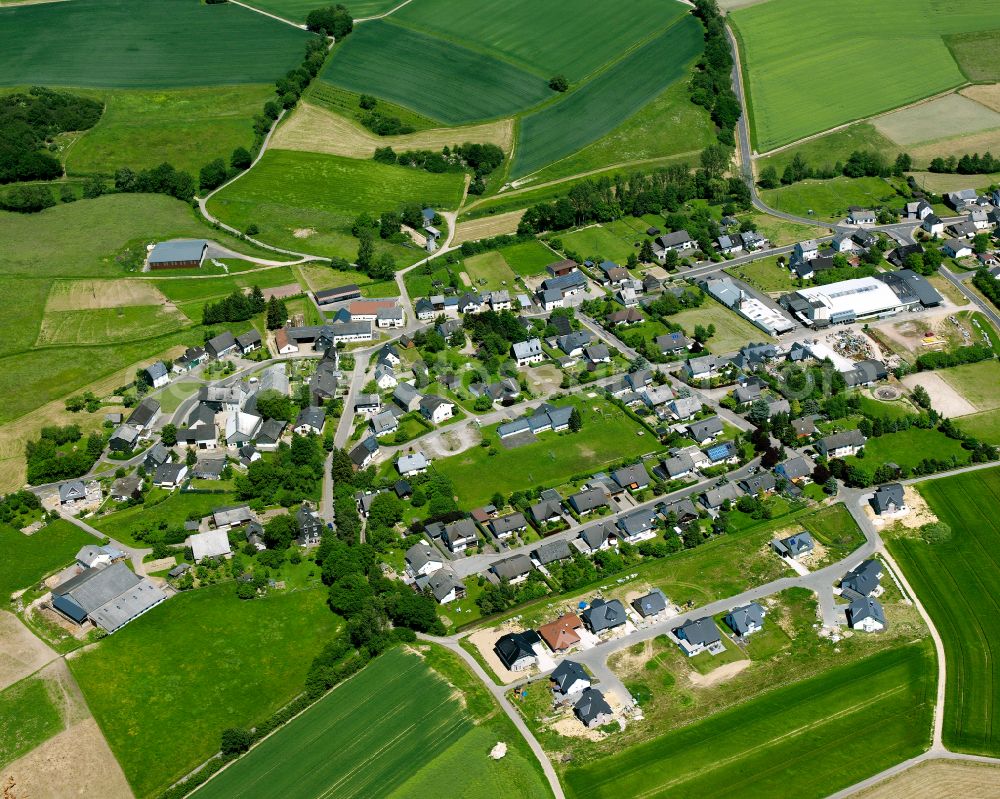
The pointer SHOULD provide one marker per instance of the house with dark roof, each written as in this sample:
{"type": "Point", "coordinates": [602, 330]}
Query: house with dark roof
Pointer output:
{"type": "Point", "coordinates": [794, 546]}
{"type": "Point", "coordinates": [310, 421]}
{"type": "Point", "coordinates": [760, 483]}
{"type": "Point", "coordinates": [863, 580]}
{"type": "Point", "coordinates": [310, 526]}
{"type": "Point", "coordinates": [593, 709]}
{"type": "Point", "coordinates": [221, 345]}
{"type": "Point", "coordinates": [406, 397]}
{"type": "Point", "coordinates": [652, 604]}
{"type": "Point", "coordinates": [698, 635]}
{"type": "Point", "coordinates": [517, 650]}
{"type": "Point", "coordinates": [601, 615]}
{"type": "Point", "coordinates": [705, 431]}
{"type": "Point", "coordinates": [794, 470]}
{"type": "Point", "coordinates": [548, 508]}
{"type": "Point", "coordinates": [561, 634]}
{"type": "Point", "coordinates": [514, 569]}
{"type": "Point", "coordinates": [248, 342]}
{"type": "Point", "coordinates": [569, 678]}
{"type": "Point", "coordinates": [746, 619]}
{"type": "Point", "coordinates": [459, 535]}
{"type": "Point", "coordinates": [889, 500]}
{"type": "Point", "coordinates": [715, 498]}
{"type": "Point", "coordinates": [71, 492]}
{"type": "Point", "coordinates": [866, 614]}
{"type": "Point", "coordinates": [422, 560]}
{"type": "Point", "coordinates": [632, 478]}
{"type": "Point", "coordinates": [840, 445]}
{"type": "Point", "coordinates": [588, 500]}
{"type": "Point", "coordinates": [436, 409]}
{"type": "Point", "coordinates": [170, 475]}
{"type": "Point", "coordinates": [598, 537]}
{"type": "Point", "coordinates": [551, 551]}
{"type": "Point", "coordinates": [640, 525]}
{"type": "Point", "coordinates": [364, 452]}
{"type": "Point", "coordinates": [144, 415]}
{"type": "Point", "coordinates": [504, 527]}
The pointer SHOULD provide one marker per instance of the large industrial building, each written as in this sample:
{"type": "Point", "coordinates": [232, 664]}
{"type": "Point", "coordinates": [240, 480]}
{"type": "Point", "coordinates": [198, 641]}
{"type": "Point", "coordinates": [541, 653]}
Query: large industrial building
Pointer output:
{"type": "Point", "coordinates": [843, 302]}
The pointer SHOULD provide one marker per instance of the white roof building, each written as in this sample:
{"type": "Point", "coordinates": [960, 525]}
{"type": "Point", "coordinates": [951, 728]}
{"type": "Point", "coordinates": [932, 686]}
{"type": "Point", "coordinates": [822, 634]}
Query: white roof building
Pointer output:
{"type": "Point", "coordinates": [213, 544]}
{"type": "Point", "coordinates": [849, 300]}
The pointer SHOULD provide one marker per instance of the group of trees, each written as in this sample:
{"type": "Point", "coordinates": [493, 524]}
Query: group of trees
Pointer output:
{"type": "Point", "coordinates": [49, 459]}
{"type": "Point", "coordinates": [988, 285]}
{"type": "Point", "coordinates": [277, 313]}
{"type": "Point", "coordinates": [711, 85]}
{"type": "Point", "coordinates": [974, 353]}
{"type": "Point", "coordinates": [861, 163]}
{"type": "Point", "coordinates": [664, 190]}
{"type": "Point", "coordinates": [332, 21]}
{"type": "Point", "coordinates": [162, 179]}
{"type": "Point", "coordinates": [237, 307]}
{"type": "Point", "coordinates": [295, 471]}
{"type": "Point", "coordinates": [28, 123]}
{"type": "Point", "coordinates": [481, 159]}
{"type": "Point", "coordinates": [974, 164]}
{"type": "Point", "coordinates": [14, 505]}
{"type": "Point", "coordinates": [215, 172]}
{"type": "Point", "coordinates": [381, 124]}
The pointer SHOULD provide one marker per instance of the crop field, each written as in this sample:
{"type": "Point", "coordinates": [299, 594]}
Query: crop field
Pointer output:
{"type": "Point", "coordinates": [792, 97]}
{"type": "Point", "coordinates": [731, 331]}
{"type": "Point", "coordinates": [935, 778]}
{"type": "Point", "coordinates": [381, 58]}
{"type": "Point", "coordinates": [489, 271]}
{"type": "Point", "coordinates": [186, 127]}
{"type": "Point", "coordinates": [945, 117]}
{"type": "Point", "coordinates": [488, 226]}
{"type": "Point", "coordinates": [598, 243]}
{"type": "Point", "coordinates": [29, 558]}
{"type": "Point", "coordinates": [607, 435]}
{"type": "Point", "coordinates": [830, 199]}
{"type": "Point", "coordinates": [976, 54]}
{"type": "Point", "coordinates": [804, 740]}
{"type": "Point", "coordinates": [28, 716]}
{"type": "Point", "coordinates": [958, 582]}
{"type": "Point", "coordinates": [169, 43]}
{"type": "Point", "coordinates": [593, 110]}
{"type": "Point", "coordinates": [398, 730]}
{"type": "Point", "coordinates": [555, 37]}
{"type": "Point", "coordinates": [103, 325]}
{"type": "Point", "coordinates": [317, 130]}
{"type": "Point", "coordinates": [85, 295]}
{"type": "Point", "coordinates": [164, 687]}
{"type": "Point", "coordinates": [310, 200]}
{"type": "Point", "coordinates": [669, 129]}
{"type": "Point", "coordinates": [979, 383]}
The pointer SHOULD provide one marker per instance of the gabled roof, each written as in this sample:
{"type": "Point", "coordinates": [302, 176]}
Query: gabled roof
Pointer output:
{"type": "Point", "coordinates": [591, 706]}
{"type": "Point", "coordinates": [654, 602]}
{"type": "Point", "coordinates": [888, 495]}
{"type": "Point", "coordinates": [863, 579]}
{"type": "Point", "coordinates": [865, 608]}
{"type": "Point", "coordinates": [603, 615]}
{"type": "Point", "coordinates": [509, 523]}
{"type": "Point", "coordinates": [511, 647]}
{"type": "Point", "coordinates": [567, 674]}
{"type": "Point", "coordinates": [552, 551]}
{"type": "Point", "coordinates": [419, 555]}
{"type": "Point", "coordinates": [588, 500]}
{"type": "Point", "coordinates": [635, 474]}
{"type": "Point", "coordinates": [699, 631]}
{"type": "Point", "coordinates": [742, 619]}
{"type": "Point", "coordinates": [513, 567]}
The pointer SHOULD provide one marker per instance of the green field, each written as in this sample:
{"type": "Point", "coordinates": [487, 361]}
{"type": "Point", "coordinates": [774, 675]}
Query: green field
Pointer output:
{"type": "Point", "coordinates": [976, 54]}
{"type": "Point", "coordinates": [804, 740]}
{"type": "Point", "coordinates": [765, 275]}
{"type": "Point", "coordinates": [187, 127]}
{"type": "Point", "coordinates": [909, 447]}
{"type": "Point", "coordinates": [492, 268]}
{"type": "Point", "coordinates": [320, 195]}
{"type": "Point", "coordinates": [731, 331]}
{"type": "Point", "coordinates": [607, 435]}
{"type": "Point", "coordinates": [528, 258]}
{"type": "Point", "coordinates": [29, 558]}
{"type": "Point", "coordinates": [174, 509]}
{"type": "Point", "coordinates": [830, 199]}
{"type": "Point", "coordinates": [826, 151]}
{"type": "Point", "coordinates": [984, 426]}
{"type": "Point", "coordinates": [393, 730]}
{"type": "Point", "coordinates": [169, 43]}
{"type": "Point", "coordinates": [979, 383]}
{"type": "Point", "coordinates": [163, 688]}
{"type": "Point", "coordinates": [382, 58]}
{"type": "Point", "coordinates": [599, 244]}
{"type": "Point", "coordinates": [104, 325]}
{"type": "Point", "coordinates": [28, 716]}
{"type": "Point", "coordinates": [958, 582]}
{"type": "Point", "coordinates": [792, 97]}
{"type": "Point", "coordinates": [596, 108]}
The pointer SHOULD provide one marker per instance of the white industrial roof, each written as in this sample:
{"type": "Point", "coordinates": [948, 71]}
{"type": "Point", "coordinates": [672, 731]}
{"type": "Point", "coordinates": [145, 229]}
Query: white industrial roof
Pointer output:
{"type": "Point", "coordinates": [864, 295]}
{"type": "Point", "coordinates": [212, 544]}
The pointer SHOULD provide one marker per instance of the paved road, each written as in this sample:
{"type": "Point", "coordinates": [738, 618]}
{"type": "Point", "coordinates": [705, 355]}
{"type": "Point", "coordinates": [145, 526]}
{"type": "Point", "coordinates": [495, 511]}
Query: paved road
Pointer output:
{"type": "Point", "coordinates": [985, 307]}
{"type": "Point", "coordinates": [136, 554]}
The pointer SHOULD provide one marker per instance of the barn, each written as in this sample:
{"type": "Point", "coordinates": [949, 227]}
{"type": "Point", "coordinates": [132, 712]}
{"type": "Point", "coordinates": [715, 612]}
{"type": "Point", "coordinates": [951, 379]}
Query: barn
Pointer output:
{"type": "Point", "coordinates": [180, 254]}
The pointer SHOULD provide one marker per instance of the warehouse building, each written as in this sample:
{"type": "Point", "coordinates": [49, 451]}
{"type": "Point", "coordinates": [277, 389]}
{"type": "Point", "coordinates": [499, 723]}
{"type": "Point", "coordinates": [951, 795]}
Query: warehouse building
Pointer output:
{"type": "Point", "coordinates": [843, 302]}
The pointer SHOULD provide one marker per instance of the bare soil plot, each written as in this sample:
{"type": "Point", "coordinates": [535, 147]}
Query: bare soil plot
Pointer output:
{"type": "Point", "coordinates": [21, 653]}
{"type": "Point", "coordinates": [487, 227]}
{"type": "Point", "coordinates": [84, 295]}
{"type": "Point", "coordinates": [945, 117]}
{"type": "Point", "coordinates": [940, 779]}
{"type": "Point", "coordinates": [957, 146]}
{"type": "Point", "coordinates": [716, 676]}
{"type": "Point", "coordinates": [987, 94]}
{"type": "Point", "coordinates": [944, 398]}
{"type": "Point", "coordinates": [317, 130]}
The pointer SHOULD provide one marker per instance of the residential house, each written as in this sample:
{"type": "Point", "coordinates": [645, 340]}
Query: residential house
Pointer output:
{"type": "Point", "coordinates": [93, 556]}
{"type": "Point", "coordinates": [424, 309]}
{"type": "Point", "coordinates": [574, 343]}
{"type": "Point", "coordinates": [364, 452]}
{"type": "Point", "coordinates": [592, 709]}
{"type": "Point", "coordinates": [548, 508]}
{"type": "Point", "coordinates": [639, 379]}
{"type": "Point", "coordinates": [157, 374]}
{"type": "Point", "coordinates": [310, 526]}
{"type": "Point", "coordinates": [436, 409]}
{"type": "Point", "coordinates": [367, 405]}
{"type": "Point", "coordinates": [705, 431]}
{"type": "Point", "coordinates": [726, 452]}
{"type": "Point", "coordinates": [568, 678]}
{"type": "Point", "coordinates": [212, 544]}
{"type": "Point", "coordinates": [715, 498]}
{"type": "Point", "coordinates": [805, 251]}
{"type": "Point", "coordinates": [861, 216]}
{"type": "Point", "coordinates": [675, 343]}
{"type": "Point", "coordinates": [517, 650]}
{"type": "Point", "coordinates": [170, 475]}
{"type": "Point", "coordinates": [698, 635]}
{"type": "Point", "coordinates": [746, 619]}
{"type": "Point", "coordinates": [192, 357]}
{"type": "Point", "coordinates": [505, 527]}
{"type": "Point", "coordinates": [866, 614]}
{"type": "Point", "coordinates": [562, 633]}
{"type": "Point", "coordinates": [385, 378]}
{"type": "Point", "coordinates": [794, 546]}
{"type": "Point", "coordinates": [632, 478]}
{"type": "Point", "coordinates": [242, 428]}
{"type": "Point", "coordinates": [255, 535]}
{"type": "Point", "coordinates": [389, 317]}
{"type": "Point", "coordinates": [126, 488]}
{"type": "Point", "coordinates": [677, 466]}
{"type": "Point", "coordinates": [406, 397]}
{"type": "Point", "coordinates": [840, 445]}
{"type": "Point", "coordinates": [677, 241]}
{"type": "Point", "coordinates": [704, 367]}
{"type": "Point", "coordinates": [888, 500]}
{"type": "Point", "coordinates": [270, 434]}
{"type": "Point", "coordinates": [804, 428]}
{"type": "Point", "coordinates": [514, 569]}
{"type": "Point", "coordinates": [310, 421]}
{"type": "Point", "coordinates": [794, 470]}
{"type": "Point", "coordinates": [598, 537]}
{"type": "Point", "coordinates": [638, 526]}
{"type": "Point", "coordinates": [551, 551]}
{"type": "Point", "coordinates": [385, 423]}
{"type": "Point", "coordinates": [221, 345]}
{"type": "Point", "coordinates": [459, 535]}
{"type": "Point", "coordinates": [444, 585]}
{"type": "Point", "coordinates": [602, 616]}
{"type": "Point", "coordinates": [899, 256]}
{"type": "Point", "coordinates": [550, 299]}
{"type": "Point", "coordinates": [933, 225]}
{"type": "Point", "coordinates": [411, 464]}
{"type": "Point", "coordinates": [629, 316]}
{"type": "Point", "coordinates": [652, 604]}
{"type": "Point", "coordinates": [760, 483]}
{"type": "Point", "coordinates": [863, 580]}
{"type": "Point", "coordinates": [248, 342]}
{"type": "Point", "coordinates": [144, 415]}
{"type": "Point", "coordinates": [917, 211]}
{"type": "Point", "coordinates": [528, 352]}
{"type": "Point", "coordinates": [597, 353]}
{"type": "Point", "coordinates": [588, 500]}
{"type": "Point", "coordinates": [684, 408]}
{"type": "Point", "coordinates": [956, 248]}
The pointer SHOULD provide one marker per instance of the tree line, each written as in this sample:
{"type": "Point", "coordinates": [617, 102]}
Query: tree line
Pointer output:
{"type": "Point", "coordinates": [711, 85]}
{"type": "Point", "coordinates": [237, 307]}
{"type": "Point", "coordinates": [974, 164]}
{"type": "Point", "coordinates": [860, 163]}
{"type": "Point", "coordinates": [481, 159]}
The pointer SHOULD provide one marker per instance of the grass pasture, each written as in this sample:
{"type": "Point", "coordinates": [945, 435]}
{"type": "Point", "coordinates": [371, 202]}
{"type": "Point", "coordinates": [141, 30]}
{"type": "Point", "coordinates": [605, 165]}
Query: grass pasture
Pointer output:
{"type": "Point", "coordinates": [942, 118]}
{"type": "Point", "coordinates": [338, 747]}
{"type": "Point", "coordinates": [957, 581]}
{"type": "Point", "coordinates": [826, 150]}
{"type": "Point", "coordinates": [28, 716]}
{"type": "Point", "coordinates": [607, 435]}
{"type": "Point", "coordinates": [830, 199]}
{"type": "Point", "coordinates": [979, 383]}
{"type": "Point", "coordinates": [731, 331]}
{"type": "Point", "coordinates": [29, 558]}
{"type": "Point", "coordinates": [977, 54]}
{"type": "Point", "coordinates": [310, 200]}
{"type": "Point", "coordinates": [803, 740]}
{"type": "Point", "coordinates": [909, 447]}
{"type": "Point", "coordinates": [174, 509]}
{"type": "Point", "coordinates": [529, 257]}
{"type": "Point", "coordinates": [489, 271]}
{"type": "Point", "coordinates": [381, 58]}
{"type": "Point", "coordinates": [166, 44]}
{"type": "Point", "coordinates": [903, 44]}
{"type": "Point", "coordinates": [599, 243]}
{"type": "Point", "coordinates": [187, 127]}
{"type": "Point", "coordinates": [103, 325]}
{"type": "Point", "coordinates": [593, 110]}
{"type": "Point", "coordinates": [764, 275]}
{"type": "Point", "coordinates": [984, 425]}
{"type": "Point", "coordinates": [162, 707]}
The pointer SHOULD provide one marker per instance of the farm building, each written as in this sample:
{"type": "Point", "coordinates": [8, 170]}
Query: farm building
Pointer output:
{"type": "Point", "coordinates": [109, 597]}
{"type": "Point", "coordinates": [181, 254]}
{"type": "Point", "coordinates": [338, 294]}
{"type": "Point", "coordinates": [213, 544]}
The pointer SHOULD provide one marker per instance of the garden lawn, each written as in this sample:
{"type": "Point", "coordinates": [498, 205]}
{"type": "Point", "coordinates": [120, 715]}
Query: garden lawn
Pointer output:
{"type": "Point", "coordinates": [599, 244]}
{"type": "Point", "coordinates": [309, 200]}
{"type": "Point", "coordinates": [175, 509]}
{"type": "Point", "coordinates": [29, 558]}
{"type": "Point", "coordinates": [979, 383]}
{"type": "Point", "coordinates": [164, 687]}
{"type": "Point", "coordinates": [791, 98]}
{"type": "Point", "coordinates": [528, 258]}
{"type": "Point", "coordinates": [607, 435]}
{"type": "Point", "coordinates": [489, 271]}
{"type": "Point", "coordinates": [958, 582]}
{"type": "Point", "coordinates": [594, 109]}
{"type": "Point", "coordinates": [731, 331]}
{"type": "Point", "coordinates": [28, 716]}
{"type": "Point", "coordinates": [395, 729]}
{"type": "Point", "coordinates": [909, 447]}
{"type": "Point", "coordinates": [830, 199]}
{"type": "Point", "coordinates": [186, 127]}
{"type": "Point", "coordinates": [803, 740]}
{"type": "Point", "coordinates": [166, 44]}
{"type": "Point", "coordinates": [457, 84]}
